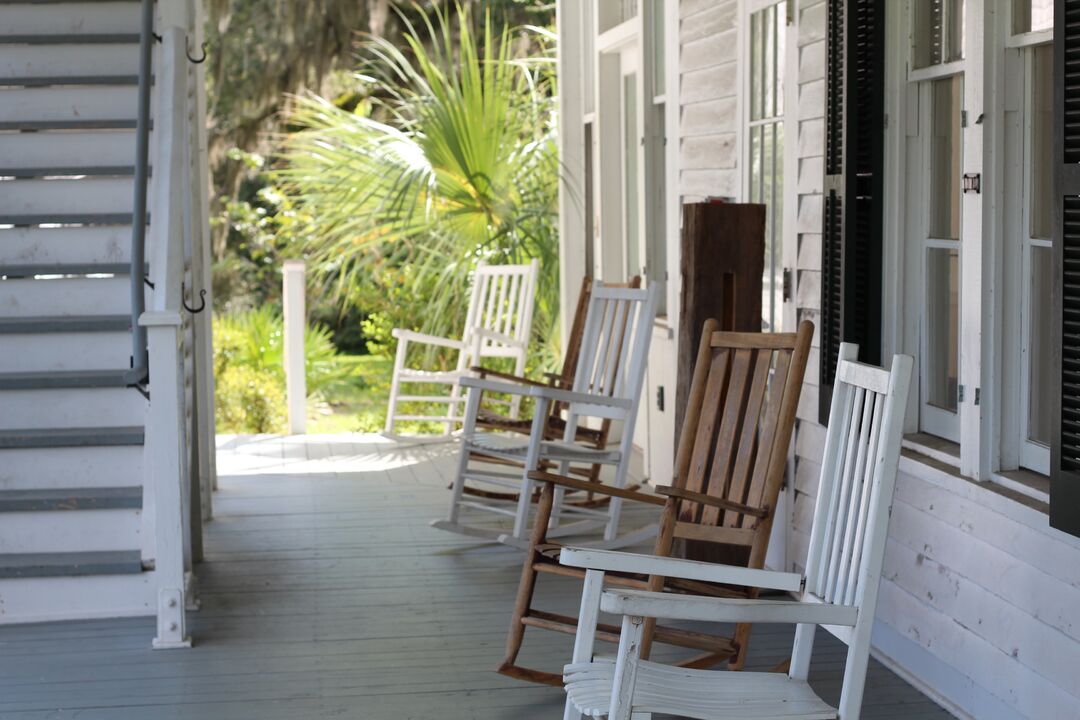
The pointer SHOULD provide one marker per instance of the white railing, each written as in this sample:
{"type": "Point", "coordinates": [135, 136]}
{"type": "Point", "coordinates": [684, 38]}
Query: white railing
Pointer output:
{"type": "Point", "coordinates": [179, 428]}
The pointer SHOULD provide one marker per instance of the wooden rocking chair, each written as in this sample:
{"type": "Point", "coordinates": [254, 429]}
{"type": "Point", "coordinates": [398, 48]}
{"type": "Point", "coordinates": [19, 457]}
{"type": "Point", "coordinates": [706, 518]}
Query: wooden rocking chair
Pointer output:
{"type": "Point", "coordinates": [492, 420]}
{"type": "Point", "coordinates": [729, 470]}
{"type": "Point", "coordinates": [838, 592]}
{"type": "Point", "coordinates": [497, 325]}
{"type": "Point", "coordinates": [607, 386]}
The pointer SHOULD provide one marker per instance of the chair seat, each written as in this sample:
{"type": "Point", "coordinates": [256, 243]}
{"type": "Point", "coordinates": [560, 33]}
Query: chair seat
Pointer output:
{"type": "Point", "coordinates": [432, 376]}
{"type": "Point", "coordinates": [515, 448]}
{"type": "Point", "coordinates": [700, 694]}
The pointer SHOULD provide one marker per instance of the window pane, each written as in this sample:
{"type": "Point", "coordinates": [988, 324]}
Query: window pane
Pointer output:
{"type": "Point", "coordinates": [942, 325]}
{"type": "Point", "coordinates": [656, 240]}
{"type": "Point", "coordinates": [1040, 371]}
{"type": "Point", "coordinates": [1042, 142]}
{"type": "Point", "coordinates": [779, 28]}
{"type": "Point", "coordinates": [755, 164]}
{"type": "Point", "coordinates": [658, 19]}
{"type": "Point", "coordinates": [1032, 15]}
{"type": "Point", "coordinates": [768, 196]}
{"type": "Point", "coordinates": [945, 160]}
{"type": "Point", "coordinates": [938, 32]}
{"type": "Point", "coordinates": [588, 30]}
{"type": "Point", "coordinates": [768, 28]}
{"type": "Point", "coordinates": [630, 169]}
{"type": "Point", "coordinates": [756, 49]}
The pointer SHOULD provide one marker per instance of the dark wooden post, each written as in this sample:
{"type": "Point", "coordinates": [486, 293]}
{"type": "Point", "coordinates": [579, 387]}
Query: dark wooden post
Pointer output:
{"type": "Point", "coordinates": [723, 260]}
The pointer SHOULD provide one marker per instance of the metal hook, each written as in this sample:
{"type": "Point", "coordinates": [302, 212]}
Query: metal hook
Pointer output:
{"type": "Point", "coordinates": [196, 61]}
{"type": "Point", "coordinates": [183, 300]}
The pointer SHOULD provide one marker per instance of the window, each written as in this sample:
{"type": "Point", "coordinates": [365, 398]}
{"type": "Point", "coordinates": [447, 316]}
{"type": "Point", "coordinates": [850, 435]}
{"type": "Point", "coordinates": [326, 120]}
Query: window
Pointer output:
{"type": "Point", "coordinates": [1036, 383]}
{"type": "Point", "coordinates": [938, 244]}
{"type": "Point", "coordinates": [766, 147]}
{"type": "Point", "coordinates": [1032, 16]}
{"type": "Point", "coordinates": [938, 33]}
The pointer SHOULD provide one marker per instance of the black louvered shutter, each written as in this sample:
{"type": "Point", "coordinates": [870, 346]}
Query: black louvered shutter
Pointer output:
{"type": "Point", "coordinates": [1065, 445]}
{"type": "Point", "coordinates": [854, 160]}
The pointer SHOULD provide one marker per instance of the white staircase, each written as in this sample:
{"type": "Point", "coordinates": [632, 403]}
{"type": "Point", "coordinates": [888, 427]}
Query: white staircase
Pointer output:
{"type": "Point", "coordinates": [90, 507]}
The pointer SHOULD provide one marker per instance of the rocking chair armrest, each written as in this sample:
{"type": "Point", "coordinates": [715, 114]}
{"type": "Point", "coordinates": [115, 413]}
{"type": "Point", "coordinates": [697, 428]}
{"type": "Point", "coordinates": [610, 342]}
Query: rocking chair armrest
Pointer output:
{"type": "Point", "coordinates": [672, 606]}
{"type": "Point", "coordinates": [569, 396]}
{"type": "Point", "coordinates": [613, 561]}
{"type": "Point", "coordinates": [498, 337]}
{"type": "Point", "coordinates": [497, 386]}
{"type": "Point", "coordinates": [721, 503]}
{"type": "Point", "coordinates": [418, 337]}
{"type": "Point", "coordinates": [588, 486]}
{"type": "Point", "coordinates": [485, 373]}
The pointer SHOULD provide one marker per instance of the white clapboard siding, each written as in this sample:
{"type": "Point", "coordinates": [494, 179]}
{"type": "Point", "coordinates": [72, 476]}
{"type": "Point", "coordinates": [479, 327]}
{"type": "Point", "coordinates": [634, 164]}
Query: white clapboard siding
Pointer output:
{"type": "Point", "coordinates": [65, 531]}
{"type": "Point", "coordinates": [709, 120]}
{"type": "Point", "coordinates": [65, 296]}
{"type": "Point", "coordinates": [61, 598]}
{"type": "Point", "coordinates": [73, 18]}
{"type": "Point", "coordinates": [55, 468]}
{"type": "Point", "coordinates": [112, 148]}
{"type": "Point", "coordinates": [72, 408]}
{"type": "Point", "coordinates": [995, 673]}
{"type": "Point", "coordinates": [66, 197]}
{"type": "Point", "coordinates": [47, 352]}
{"type": "Point", "coordinates": [68, 103]}
{"type": "Point", "coordinates": [65, 245]}
{"type": "Point", "coordinates": [63, 61]}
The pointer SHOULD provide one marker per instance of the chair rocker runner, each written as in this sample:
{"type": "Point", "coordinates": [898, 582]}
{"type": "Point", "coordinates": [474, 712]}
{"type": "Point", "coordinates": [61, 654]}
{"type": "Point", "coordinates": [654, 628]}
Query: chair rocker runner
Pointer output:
{"type": "Point", "coordinates": [728, 473]}
{"type": "Point", "coordinates": [497, 325]}
{"type": "Point", "coordinates": [839, 590]}
{"type": "Point", "coordinates": [492, 420]}
{"type": "Point", "coordinates": [607, 386]}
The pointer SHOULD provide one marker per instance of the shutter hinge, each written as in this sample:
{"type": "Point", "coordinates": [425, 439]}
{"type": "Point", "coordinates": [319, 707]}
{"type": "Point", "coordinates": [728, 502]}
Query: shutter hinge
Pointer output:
{"type": "Point", "coordinates": [960, 394]}
{"type": "Point", "coordinates": [978, 394]}
{"type": "Point", "coordinates": [787, 285]}
{"type": "Point", "coordinates": [789, 11]}
{"type": "Point", "coordinates": [963, 119]}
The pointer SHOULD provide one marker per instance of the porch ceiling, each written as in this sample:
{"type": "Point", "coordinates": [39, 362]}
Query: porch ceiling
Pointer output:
{"type": "Point", "coordinates": [326, 594]}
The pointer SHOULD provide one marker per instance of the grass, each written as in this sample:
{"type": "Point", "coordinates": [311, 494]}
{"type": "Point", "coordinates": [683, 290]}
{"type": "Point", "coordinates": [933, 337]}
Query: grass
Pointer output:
{"type": "Point", "coordinates": [359, 407]}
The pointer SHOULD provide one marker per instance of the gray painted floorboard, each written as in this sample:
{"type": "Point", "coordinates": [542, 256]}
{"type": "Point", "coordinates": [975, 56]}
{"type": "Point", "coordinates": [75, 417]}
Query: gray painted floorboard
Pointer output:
{"type": "Point", "coordinates": [326, 595]}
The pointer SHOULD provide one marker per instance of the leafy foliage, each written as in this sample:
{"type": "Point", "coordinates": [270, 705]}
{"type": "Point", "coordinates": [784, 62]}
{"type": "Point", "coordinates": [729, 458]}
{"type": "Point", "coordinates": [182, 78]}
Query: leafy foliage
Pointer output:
{"type": "Point", "coordinates": [452, 160]}
{"type": "Point", "coordinates": [250, 369]}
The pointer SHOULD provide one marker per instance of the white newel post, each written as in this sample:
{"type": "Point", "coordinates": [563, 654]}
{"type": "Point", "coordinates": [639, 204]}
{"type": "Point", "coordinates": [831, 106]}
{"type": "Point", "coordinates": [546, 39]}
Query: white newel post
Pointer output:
{"type": "Point", "coordinates": [292, 297]}
{"type": "Point", "coordinates": [165, 440]}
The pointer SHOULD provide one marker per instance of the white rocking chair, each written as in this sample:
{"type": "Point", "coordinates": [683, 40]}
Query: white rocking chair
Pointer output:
{"type": "Point", "coordinates": [497, 325]}
{"type": "Point", "coordinates": [839, 590]}
{"type": "Point", "coordinates": [607, 385]}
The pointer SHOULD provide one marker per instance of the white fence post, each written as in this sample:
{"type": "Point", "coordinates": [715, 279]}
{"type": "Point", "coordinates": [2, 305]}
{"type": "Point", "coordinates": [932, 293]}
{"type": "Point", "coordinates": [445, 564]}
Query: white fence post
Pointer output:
{"type": "Point", "coordinates": [292, 297]}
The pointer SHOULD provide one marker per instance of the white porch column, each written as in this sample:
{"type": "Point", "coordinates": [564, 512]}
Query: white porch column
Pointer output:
{"type": "Point", "coordinates": [572, 155]}
{"type": "Point", "coordinates": [292, 297]}
{"type": "Point", "coordinates": [166, 442]}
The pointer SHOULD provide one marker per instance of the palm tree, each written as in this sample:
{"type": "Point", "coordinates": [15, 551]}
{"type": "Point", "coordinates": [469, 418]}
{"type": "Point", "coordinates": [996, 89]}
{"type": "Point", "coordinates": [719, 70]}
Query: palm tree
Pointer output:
{"type": "Point", "coordinates": [450, 161]}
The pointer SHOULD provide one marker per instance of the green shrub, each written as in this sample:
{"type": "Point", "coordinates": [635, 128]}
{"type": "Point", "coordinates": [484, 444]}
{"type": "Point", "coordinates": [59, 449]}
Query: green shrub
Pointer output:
{"type": "Point", "coordinates": [249, 400]}
{"type": "Point", "coordinates": [250, 370]}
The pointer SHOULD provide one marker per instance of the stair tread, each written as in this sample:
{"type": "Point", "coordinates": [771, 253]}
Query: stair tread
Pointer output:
{"type": "Point", "coordinates": [70, 171]}
{"type": "Point", "coordinates": [114, 562]}
{"type": "Point", "coordinates": [68, 219]}
{"type": "Point", "coordinates": [59, 80]}
{"type": "Point", "coordinates": [70, 38]}
{"type": "Point", "coordinates": [39, 500]}
{"type": "Point", "coordinates": [71, 124]}
{"type": "Point", "coordinates": [65, 269]}
{"type": "Point", "coordinates": [65, 324]}
{"type": "Point", "coordinates": [57, 379]}
{"type": "Point", "coordinates": [70, 437]}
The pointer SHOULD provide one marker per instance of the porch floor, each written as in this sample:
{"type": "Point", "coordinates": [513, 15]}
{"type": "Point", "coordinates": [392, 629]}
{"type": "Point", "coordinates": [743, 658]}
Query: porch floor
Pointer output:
{"type": "Point", "coordinates": [325, 594]}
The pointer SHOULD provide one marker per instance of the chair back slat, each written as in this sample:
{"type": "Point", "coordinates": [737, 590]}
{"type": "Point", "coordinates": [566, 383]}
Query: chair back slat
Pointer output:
{"type": "Point", "coordinates": [618, 321]}
{"type": "Point", "coordinates": [741, 431]}
{"type": "Point", "coordinates": [757, 493]}
{"type": "Point", "coordinates": [501, 302]}
{"type": "Point", "coordinates": [858, 475]}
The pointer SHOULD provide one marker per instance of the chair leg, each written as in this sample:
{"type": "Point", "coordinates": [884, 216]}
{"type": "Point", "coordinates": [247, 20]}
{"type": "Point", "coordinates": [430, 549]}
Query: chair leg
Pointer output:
{"type": "Point", "coordinates": [626, 664]}
{"type": "Point", "coordinates": [395, 384]}
{"type": "Point", "coordinates": [471, 410]}
{"type": "Point", "coordinates": [585, 639]}
{"type": "Point", "coordinates": [801, 652]}
{"type": "Point", "coordinates": [532, 462]}
{"type": "Point", "coordinates": [527, 583]}
{"type": "Point", "coordinates": [742, 641]}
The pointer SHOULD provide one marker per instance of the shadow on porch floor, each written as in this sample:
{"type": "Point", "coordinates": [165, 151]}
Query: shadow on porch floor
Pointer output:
{"type": "Point", "coordinates": [326, 595]}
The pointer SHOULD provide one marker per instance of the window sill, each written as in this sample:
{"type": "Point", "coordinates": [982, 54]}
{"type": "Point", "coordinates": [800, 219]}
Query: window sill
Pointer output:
{"type": "Point", "coordinates": [998, 498]}
{"type": "Point", "coordinates": [1031, 485]}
